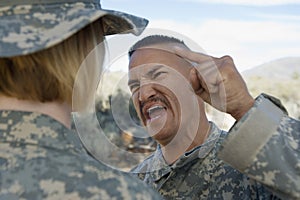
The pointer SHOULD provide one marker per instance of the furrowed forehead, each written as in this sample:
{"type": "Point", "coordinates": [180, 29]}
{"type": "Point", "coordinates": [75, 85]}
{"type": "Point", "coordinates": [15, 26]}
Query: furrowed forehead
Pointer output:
{"type": "Point", "coordinates": [155, 54]}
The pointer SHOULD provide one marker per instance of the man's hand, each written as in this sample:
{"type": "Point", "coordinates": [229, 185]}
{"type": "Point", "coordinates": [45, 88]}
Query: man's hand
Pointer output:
{"type": "Point", "coordinates": [217, 82]}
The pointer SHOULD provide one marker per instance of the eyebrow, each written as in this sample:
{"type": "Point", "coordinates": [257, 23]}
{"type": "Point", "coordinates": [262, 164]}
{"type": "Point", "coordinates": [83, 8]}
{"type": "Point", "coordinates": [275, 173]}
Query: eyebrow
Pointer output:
{"type": "Point", "coordinates": [156, 68]}
{"type": "Point", "coordinates": [150, 73]}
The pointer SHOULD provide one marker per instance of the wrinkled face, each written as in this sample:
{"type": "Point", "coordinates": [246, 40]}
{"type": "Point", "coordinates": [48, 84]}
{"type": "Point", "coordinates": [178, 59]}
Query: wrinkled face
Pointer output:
{"type": "Point", "coordinates": [158, 80]}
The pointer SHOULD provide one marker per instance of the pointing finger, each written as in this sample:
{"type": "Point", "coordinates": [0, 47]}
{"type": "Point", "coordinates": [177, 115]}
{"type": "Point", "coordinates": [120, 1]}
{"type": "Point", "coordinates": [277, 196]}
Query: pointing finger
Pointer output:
{"type": "Point", "coordinates": [191, 55]}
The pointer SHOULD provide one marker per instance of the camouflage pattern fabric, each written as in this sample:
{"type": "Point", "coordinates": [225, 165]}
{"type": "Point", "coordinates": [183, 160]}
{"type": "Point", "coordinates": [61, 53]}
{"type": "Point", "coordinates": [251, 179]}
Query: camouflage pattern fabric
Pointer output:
{"type": "Point", "coordinates": [28, 26]}
{"type": "Point", "coordinates": [265, 145]}
{"type": "Point", "coordinates": [42, 159]}
{"type": "Point", "coordinates": [200, 174]}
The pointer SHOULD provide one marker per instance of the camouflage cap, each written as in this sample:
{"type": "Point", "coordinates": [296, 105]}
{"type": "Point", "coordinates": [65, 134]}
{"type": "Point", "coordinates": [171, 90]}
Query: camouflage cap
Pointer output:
{"type": "Point", "coordinates": [27, 26]}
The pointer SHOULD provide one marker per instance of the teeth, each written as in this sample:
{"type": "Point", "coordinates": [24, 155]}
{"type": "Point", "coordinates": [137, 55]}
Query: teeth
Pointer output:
{"type": "Point", "coordinates": [152, 109]}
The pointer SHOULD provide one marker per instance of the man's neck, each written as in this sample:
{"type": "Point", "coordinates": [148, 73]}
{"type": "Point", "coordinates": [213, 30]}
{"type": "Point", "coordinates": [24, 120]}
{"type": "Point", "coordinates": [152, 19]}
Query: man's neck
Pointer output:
{"type": "Point", "coordinates": [59, 111]}
{"type": "Point", "coordinates": [172, 152]}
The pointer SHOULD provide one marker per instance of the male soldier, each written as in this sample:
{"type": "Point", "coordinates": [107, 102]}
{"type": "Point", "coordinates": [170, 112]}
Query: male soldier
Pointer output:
{"type": "Point", "coordinates": [42, 45]}
{"type": "Point", "coordinates": [257, 159]}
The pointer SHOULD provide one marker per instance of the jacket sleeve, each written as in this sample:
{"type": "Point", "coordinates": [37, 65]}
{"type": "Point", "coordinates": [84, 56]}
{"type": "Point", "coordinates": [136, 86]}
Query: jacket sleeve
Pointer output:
{"type": "Point", "coordinates": [265, 145]}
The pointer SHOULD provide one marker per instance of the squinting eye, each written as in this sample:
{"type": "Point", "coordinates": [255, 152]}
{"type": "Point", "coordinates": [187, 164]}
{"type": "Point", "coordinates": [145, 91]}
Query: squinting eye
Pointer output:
{"type": "Point", "coordinates": [157, 74]}
{"type": "Point", "coordinates": [134, 88]}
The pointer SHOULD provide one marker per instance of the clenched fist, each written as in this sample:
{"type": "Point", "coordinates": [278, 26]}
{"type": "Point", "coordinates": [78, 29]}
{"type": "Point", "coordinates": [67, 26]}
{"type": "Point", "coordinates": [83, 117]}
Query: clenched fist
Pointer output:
{"type": "Point", "coordinates": [218, 82]}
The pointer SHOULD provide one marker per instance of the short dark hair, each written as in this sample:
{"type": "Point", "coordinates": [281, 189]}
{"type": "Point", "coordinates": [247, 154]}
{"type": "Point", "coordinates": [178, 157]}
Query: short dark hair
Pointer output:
{"type": "Point", "coordinates": [152, 40]}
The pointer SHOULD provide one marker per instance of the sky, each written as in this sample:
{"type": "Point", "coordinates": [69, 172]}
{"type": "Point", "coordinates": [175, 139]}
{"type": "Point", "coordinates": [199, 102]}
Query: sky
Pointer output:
{"type": "Point", "coordinates": [253, 32]}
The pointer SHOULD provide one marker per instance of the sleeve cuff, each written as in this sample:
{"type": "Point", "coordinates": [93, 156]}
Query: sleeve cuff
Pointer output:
{"type": "Point", "coordinates": [248, 136]}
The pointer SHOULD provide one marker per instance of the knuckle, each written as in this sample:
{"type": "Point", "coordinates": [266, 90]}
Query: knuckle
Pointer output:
{"type": "Point", "coordinates": [227, 58]}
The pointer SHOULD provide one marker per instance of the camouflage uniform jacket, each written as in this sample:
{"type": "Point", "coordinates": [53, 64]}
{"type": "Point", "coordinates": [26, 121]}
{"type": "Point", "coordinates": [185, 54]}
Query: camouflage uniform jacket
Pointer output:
{"type": "Point", "coordinates": [42, 159]}
{"type": "Point", "coordinates": [205, 173]}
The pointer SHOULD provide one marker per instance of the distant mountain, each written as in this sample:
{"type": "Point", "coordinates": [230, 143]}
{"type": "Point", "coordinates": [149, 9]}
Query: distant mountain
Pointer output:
{"type": "Point", "coordinates": [284, 68]}
{"type": "Point", "coordinates": [280, 78]}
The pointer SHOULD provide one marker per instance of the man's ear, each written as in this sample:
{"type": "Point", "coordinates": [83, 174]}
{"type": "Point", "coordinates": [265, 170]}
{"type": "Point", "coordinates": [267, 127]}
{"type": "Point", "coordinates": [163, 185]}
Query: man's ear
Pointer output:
{"type": "Point", "coordinates": [194, 79]}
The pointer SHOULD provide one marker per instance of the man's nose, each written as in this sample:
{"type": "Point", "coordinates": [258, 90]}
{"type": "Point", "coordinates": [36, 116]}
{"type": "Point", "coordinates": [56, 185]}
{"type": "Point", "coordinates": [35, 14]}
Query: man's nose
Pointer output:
{"type": "Point", "coordinates": [146, 91]}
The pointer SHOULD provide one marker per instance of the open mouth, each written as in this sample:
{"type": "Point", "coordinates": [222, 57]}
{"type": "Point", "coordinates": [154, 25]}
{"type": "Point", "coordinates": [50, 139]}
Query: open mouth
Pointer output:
{"type": "Point", "coordinates": [154, 112]}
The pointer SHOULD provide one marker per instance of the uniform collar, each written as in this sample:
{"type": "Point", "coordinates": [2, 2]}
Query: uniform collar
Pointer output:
{"type": "Point", "coordinates": [199, 152]}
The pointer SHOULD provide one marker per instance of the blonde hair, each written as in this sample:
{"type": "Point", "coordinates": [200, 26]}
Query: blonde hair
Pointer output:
{"type": "Point", "coordinates": [49, 75]}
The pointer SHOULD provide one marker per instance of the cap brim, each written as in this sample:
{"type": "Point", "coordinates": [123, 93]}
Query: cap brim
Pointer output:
{"type": "Point", "coordinates": [30, 29]}
{"type": "Point", "coordinates": [115, 22]}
